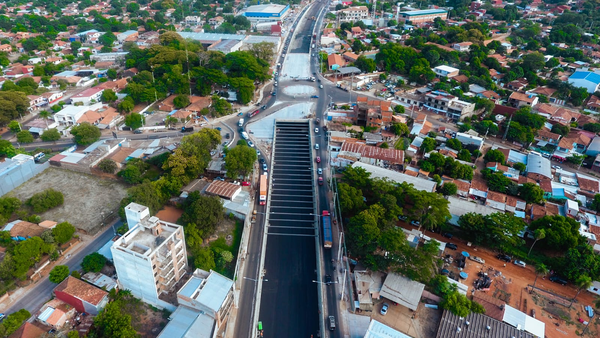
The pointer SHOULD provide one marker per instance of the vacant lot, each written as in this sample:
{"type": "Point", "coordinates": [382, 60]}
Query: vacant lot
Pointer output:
{"type": "Point", "coordinates": [87, 198]}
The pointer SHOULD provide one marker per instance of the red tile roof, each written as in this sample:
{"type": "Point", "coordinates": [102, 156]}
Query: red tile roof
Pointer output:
{"type": "Point", "coordinates": [82, 290]}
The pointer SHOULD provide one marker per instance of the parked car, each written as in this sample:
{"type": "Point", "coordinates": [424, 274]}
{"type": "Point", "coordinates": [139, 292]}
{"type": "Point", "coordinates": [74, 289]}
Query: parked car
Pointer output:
{"type": "Point", "coordinates": [590, 311]}
{"type": "Point", "coordinates": [521, 264]}
{"type": "Point", "coordinates": [218, 178]}
{"type": "Point", "coordinates": [318, 159]}
{"type": "Point", "coordinates": [504, 257]}
{"type": "Point", "coordinates": [448, 235]}
{"type": "Point", "coordinates": [250, 144]}
{"type": "Point", "coordinates": [556, 167]}
{"type": "Point", "coordinates": [384, 309]}
{"type": "Point", "coordinates": [2, 316]}
{"type": "Point", "coordinates": [477, 259]}
{"type": "Point", "coordinates": [227, 136]}
{"type": "Point", "coordinates": [265, 167]}
{"type": "Point", "coordinates": [402, 218]}
{"type": "Point", "coordinates": [262, 160]}
{"type": "Point", "coordinates": [451, 246]}
{"type": "Point", "coordinates": [245, 184]}
{"type": "Point", "coordinates": [314, 97]}
{"type": "Point", "coordinates": [317, 146]}
{"type": "Point", "coordinates": [558, 279]}
{"type": "Point", "coordinates": [320, 180]}
{"type": "Point", "coordinates": [320, 171]}
{"type": "Point", "coordinates": [415, 223]}
{"type": "Point", "coordinates": [316, 130]}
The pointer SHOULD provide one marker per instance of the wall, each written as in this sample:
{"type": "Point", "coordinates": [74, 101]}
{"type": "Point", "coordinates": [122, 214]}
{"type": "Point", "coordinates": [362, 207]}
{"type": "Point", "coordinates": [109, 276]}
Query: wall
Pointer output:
{"type": "Point", "coordinates": [20, 175]}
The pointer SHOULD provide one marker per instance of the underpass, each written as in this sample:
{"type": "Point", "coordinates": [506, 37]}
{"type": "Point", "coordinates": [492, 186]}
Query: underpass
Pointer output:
{"type": "Point", "coordinates": [289, 298]}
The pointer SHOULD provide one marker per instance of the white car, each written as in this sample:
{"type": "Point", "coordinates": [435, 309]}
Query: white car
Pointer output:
{"type": "Point", "coordinates": [477, 259]}
{"type": "Point", "coordinates": [521, 264]}
{"type": "Point", "coordinates": [316, 130]}
{"type": "Point", "coordinates": [384, 309]}
{"type": "Point", "coordinates": [320, 171]}
{"type": "Point", "coordinates": [250, 144]}
{"type": "Point", "coordinates": [556, 167]}
{"type": "Point", "coordinates": [317, 146]}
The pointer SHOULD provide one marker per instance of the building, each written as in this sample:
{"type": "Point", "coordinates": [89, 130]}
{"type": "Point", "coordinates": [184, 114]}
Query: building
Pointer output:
{"type": "Point", "coordinates": [448, 105]}
{"type": "Point", "coordinates": [352, 14]}
{"type": "Point", "coordinates": [586, 79]}
{"type": "Point", "coordinates": [519, 100]}
{"type": "Point", "coordinates": [379, 330]}
{"type": "Point", "coordinates": [70, 115]}
{"type": "Point", "coordinates": [445, 71]}
{"type": "Point", "coordinates": [335, 61]}
{"type": "Point", "coordinates": [402, 290]}
{"type": "Point", "coordinates": [108, 56]}
{"type": "Point", "coordinates": [462, 46]}
{"type": "Point", "coordinates": [18, 170]}
{"type": "Point", "coordinates": [151, 257]}
{"type": "Point", "coordinates": [21, 230]}
{"type": "Point", "coordinates": [538, 167]}
{"type": "Point", "coordinates": [351, 152]}
{"type": "Point", "coordinates": [423, 16]}
{"type": "Point", "coordinates": [82, 296]}
{"type": "Point", "coordinates": [226, 46]}
{"type": "Point", "coordinates": [88, 96]}
{"type": "Point", "coordinates": [270, 12]}
{"type": "Point", "coordinates": [371, 113]}
{"type": "Point", "coordinates": [223, 189]}
{"type": "Point", "coordinates": [477, 325]}
{"type": "Point", "coordinates": [127, 34]}
{"type": "Point", "coordinates": [204, 305]}
{"type": "Point", "coordinates": [378, 172]}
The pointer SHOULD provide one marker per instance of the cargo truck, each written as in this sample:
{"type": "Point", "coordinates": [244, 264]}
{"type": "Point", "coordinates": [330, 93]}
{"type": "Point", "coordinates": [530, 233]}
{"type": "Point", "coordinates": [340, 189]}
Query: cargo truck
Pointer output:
{"type": "Point", "coordinates": [327, 236]}
{"type": "Point", "coordinates": [263, 190]}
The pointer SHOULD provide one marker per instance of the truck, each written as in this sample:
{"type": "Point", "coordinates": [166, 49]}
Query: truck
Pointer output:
{"type": "Point", "coordinates": [263, 189]}
{"type": "Point", "coordinates": [327, 236]}
{"type": "Point", "coordinates": [187, 129]}
{"type": "Point", "coordinates": [342, 86]}
{"type": "Point", "coordinates": [253, 113]}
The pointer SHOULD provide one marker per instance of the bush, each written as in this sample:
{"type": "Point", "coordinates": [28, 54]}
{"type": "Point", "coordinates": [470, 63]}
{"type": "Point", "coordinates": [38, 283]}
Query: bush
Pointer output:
{"type": "Point", "coordinates": [108, 166]}
{"type": "Point", "coordinates": [93, 262]}
{"type": "Point", "coordinates": [46, 200]}
{"type": "Point", "coordinates": [63, 232]}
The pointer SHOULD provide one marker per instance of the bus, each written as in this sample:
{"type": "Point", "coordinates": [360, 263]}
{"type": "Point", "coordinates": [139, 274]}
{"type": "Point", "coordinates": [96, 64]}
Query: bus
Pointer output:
{"type": "Point", "coordinates": [263, 189]}
{"type": "Point", "coordinates": [252, 114]}
{"type": "Point", "coordinates": [327, 236]}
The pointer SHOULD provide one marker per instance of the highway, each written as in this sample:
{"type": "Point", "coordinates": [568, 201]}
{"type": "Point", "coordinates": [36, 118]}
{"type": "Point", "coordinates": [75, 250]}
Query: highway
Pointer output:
{"type": "Point", "coordinates": [39, 294]}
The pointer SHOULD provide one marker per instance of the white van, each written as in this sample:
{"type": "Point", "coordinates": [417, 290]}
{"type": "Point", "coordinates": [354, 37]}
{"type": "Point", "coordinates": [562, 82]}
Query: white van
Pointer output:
{"type": "Point", "coordinates": [241, 123]}
{"type": "Point", "coordinates": [244, 135]}
{"type": "Point", "coordinates": [38, 157]}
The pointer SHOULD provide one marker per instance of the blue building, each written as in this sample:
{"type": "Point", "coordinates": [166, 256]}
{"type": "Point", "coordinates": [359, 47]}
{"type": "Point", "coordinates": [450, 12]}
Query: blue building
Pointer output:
{"type": "Point", "coordinates": [264, 13]}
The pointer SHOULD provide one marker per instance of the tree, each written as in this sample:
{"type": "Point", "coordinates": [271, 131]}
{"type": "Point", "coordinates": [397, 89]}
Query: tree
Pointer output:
{"type": "Point", "coordinates": [560, 129]}
{"type": "Point", "coordinates": [113, 322]}
{"type": "Point", "coordinates": [111, 73]}
{"type": "Point", "coordinates": [73, 334]}
{"type": "Point", "coordinates": [181, 101]}
{"type": "Point", "coordinates": [240, 161]}
{"type": "Point", "coordinates": [364, 232]}
{"type": "Point", "coordinates": [531, 193]}
{"type": "Point", "coordinates": [263, 50]}
{"type": "Point", "coordinates": [398, 109]}
{"type": "Point", "coordinates": [460, 305]}
{"type": "Point", "coordinates": [520, 167]}
{"type": "Point", "coordinates": [576, 159]}
{"type": "Point", "coordinates": [24, 136]}
{"type": "Point", "coordinates": [449, 189]}
{"type": "Point", "coordinates": [534, 61]}
{"type": "Point", "coordinates": [365, 64]}
{"type": "Point", "coordinates": [7, 149]}
{"type": "Point", "coordinates": [107, 165]}
{"type": "Point", "coordinates": [244, 87]}
{"type": "Point", "coordinates": [12, 104]}
{"type": "Point", "coordinates": [561, 232]}
{"type": "Point", "coordinates": [134, 120]}
{"type": "Point", "coordinates": [108, 95]}
{"type": "Point", "coordinates": [50, 135]}
{"type": "Point", "coordinates": [540, 270]}
{"type": "Point", "coordinates": [59, 273]}
{"type": "Point", "coordinates": [497, 229]}
{"type": "Point", "coordinates": [63, 232]}
{"type": "Point", "coordinates": [464, 155]}
{"type": "Point", "coordinates": [13, 321]}
{"type": "Point", "coordinates": [428, 145]}
{"type": "Point", "coordinates": [400, 129]}
{"type": "Point", "coordinates": [14, 126]}
{"type": "Point", "coordinates": [127, 105]}
{"type": "Point", "coordinates": [596, 203]}
{"type": "Point", "coordinates": [351, 199]}
{"type": "Point", "coordinates": [454, 144]}
{"type": "Point", "coordinates": [494, 155]}
{"type": "Point", "coordinates": [85, 133]}
{"type": "Point", "coordinates": [203, 211]}
{"type": "Point", "coordinates": [593, 127]}
{"type": "Point", "coordinates": [582, 282]}
{"type": "Point", "coordinates": [93, 262]}
{"type": "Point", "coordinates": [45, 200]}
{"type": "Point", "coordinates": [537, 234]}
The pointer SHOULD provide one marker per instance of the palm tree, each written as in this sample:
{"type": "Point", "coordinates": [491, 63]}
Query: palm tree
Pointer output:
{"type": "Point", "coordinates": [540, 270]}
{"type": "Point", "coordinates": [45, 115]}
{"type": "Point", "coordinates": [538, 234]}
{"type": "Point", "coordinates": [582, 282]}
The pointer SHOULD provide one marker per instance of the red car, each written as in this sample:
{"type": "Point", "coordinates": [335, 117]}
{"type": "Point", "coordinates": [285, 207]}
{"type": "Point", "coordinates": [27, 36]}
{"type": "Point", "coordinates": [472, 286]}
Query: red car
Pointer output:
{"type": "Point", "coordinates": [318, 159]}
{"type": "Point", "coordinates": [245, 183]}
{"type": "Point", "coordinates": [320, 180]}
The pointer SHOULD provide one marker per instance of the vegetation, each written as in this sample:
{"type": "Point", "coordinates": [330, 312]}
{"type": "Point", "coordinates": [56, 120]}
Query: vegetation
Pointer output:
{"type": "Point", "coordinates": [63, 232]}
{"type": "Point", "coordinates": [50, 135]}
{"type": "Point", "coordinates": [24, 136]}
{"type": "Point", "coordinates": [108, 166]}
{"type": "Point", "coordinates": [93, 262]}
{"type": "Point", "coordinates": [498, 230]}
{"type": "Point", "coordinates": [85, 134]}
{"type": "Point", "coordinates": [240, 161]}
{"type": "Point", "coordinates": [59, 273]}
{"type": "Point", "coordinates": [13, 321]}
{"type": "Point", "coordinates": [113, 321]}
{"type": "Point", "coordinates": [46, 200]}
{"type": "Point", "coordinates": [134, 120]}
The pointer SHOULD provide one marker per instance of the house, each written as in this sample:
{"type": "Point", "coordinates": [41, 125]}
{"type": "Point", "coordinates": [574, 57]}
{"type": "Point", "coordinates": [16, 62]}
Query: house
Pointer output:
{"type": "Point", "coordinates": [451, 106]}
{"type": "Point", "coordinates": [419, 17]}
{"type": "Point", "coordinates": [6, 48]}
{"type": "Point", "coordinates": [88, 96]}
{"type": "Point", "coordinates": [352, 14]}
{"type": "Point", "coordinates": [402, 290]}
{"type": "Point", "coordinates": [479, 189]}
{"type": "Point", "coordinates": [519, 100]}
{"type": "Point", "coordinates": [515, 205]}
{"type": "Point", "coordinates": [545, 136]}
{"type": "Point", "coordinates": [593, 103]}
{"type": "Point", "coordinates": [517, 85]}
{"type": "Point", "coordinates": [167, 104]}
{"type": "Point", "coordinates": [69, 115]}
{"type": "Point", "coordinates": [368, 284]}
{"type": "Point", "coordinates": [22, 230]}
{"type": "Point", "coordinates": [445, 71]}
{"type": "Point", "coordinates": [351, 152]}
{"type": "Point", "coordinates": [588, 184]}
{"type": "Point", "coordinates": [496, 200]}
{"type": "Point", "coordinates": [82, 296]}
{"type": "Point", "coordinates": [349, 56]}
{"type": "Point", "coordinates": [216, 21]}
{"type": "Point", "coordinates": [538, 167]}
{"type": "Point", "coordinates": [335, 61]}
{"type": "Point", "coordinates": [474, 324]}
{"type": "Point", "coordinates": [586, 79]}
{"type": "Point", "coordinates": [462, 46]}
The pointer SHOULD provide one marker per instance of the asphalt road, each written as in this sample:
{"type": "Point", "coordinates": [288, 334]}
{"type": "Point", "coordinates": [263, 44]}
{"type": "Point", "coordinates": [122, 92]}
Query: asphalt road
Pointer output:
{"type": "Point", "coordinates": [289, 295]}
{"type": "Point", "coordinates": [36, 296]}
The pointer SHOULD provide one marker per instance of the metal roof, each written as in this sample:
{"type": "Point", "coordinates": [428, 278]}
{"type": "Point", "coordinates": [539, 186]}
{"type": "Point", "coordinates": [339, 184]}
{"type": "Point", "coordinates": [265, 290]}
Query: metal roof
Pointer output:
{"type": "Point", "coordinates": [475, 326]}
{"type": "Point", "coordinates": [538, 165]}
{"type": "Point", "coordinates": [378, 172]}
{"type": "Point", "coordinates": [211, 36]}
{"type": "Point", "coordinates": [402, 290]}
{"type": "Point", "coordinates": [380, 330]}
{"type": "Point", "coordinates": [186, 322]}
{"type": "Point", "coordinates": [521, 321]}
{"type": "Point", "coordinates": [585, 75]}
{"type": "Point", "coordinates": [424, 12]}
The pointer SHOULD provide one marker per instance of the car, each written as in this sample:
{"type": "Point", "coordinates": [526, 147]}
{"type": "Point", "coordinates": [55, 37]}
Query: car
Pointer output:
{"type": "Point", "coordinates": [415, 223]}
{"type": "Point", "coordinates": [241, 114]}
{"type": "Point", "coordinates": [241, 129]}
{"type": "Point", "coordinates": [2, 316]}
{"type": "Point", "coordinates": [451, 246]}
{"type": "Point", "coordinates": [316, 130]}
{"type": "Point", "coordinates": [589, 310]}
{"type": "Point", "coordinates": [218, 128]}
{"type": "Point", "coordinates": [314, 97]}
{"type": "Point", "coordinates": [320, 180]}
{"type": "Point", "coordinates": [218, 178]}
{"type": "Point", "coordinates": [477, 259]}
{"type": "Point", "coordinates": [257, 152]}
{"type": "Point", "coordinates": [504, 257]}
{"type": "Point", "coordinates": [331, 323]}
{"type": "Point", "coordinates": [558, 279]}
{"type": "Point", "coordinates": [384, 309]}
{"type": "Point", "coordinates": [250, 144]}
{"type": "Point", "coordinates": [227, 136]}
{"type": "Point", "coordinates": [317, 146]}
{"type": "Point", "coordinates": [320, 171]}
{"type": "Point", "coordinates": [137, 131]}
{"type": "Point", "coordinates": [556, 167]}
{"type": "Point", "coordinates": [521, 264]}
{"type": "Point", "coordinates": [262, 160]}
{"type": "Point", "coordinates": [265, 167]}
{"type": "Point", "coordinates": [328, 279]}
{"type": "Point", "coordinates": [245, 184]}
{"type": "Point", "coordinates": [402, 218]}
{"type": "Point", "coordinates": [318, 159]}
{"type": "Point", "coordinates": [263, 107]}
{"type": "Point", "coordinates": [447, 235]}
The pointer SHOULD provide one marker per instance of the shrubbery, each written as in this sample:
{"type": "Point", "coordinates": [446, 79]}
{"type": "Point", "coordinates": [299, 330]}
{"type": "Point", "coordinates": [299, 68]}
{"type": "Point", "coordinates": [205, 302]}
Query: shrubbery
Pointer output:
{"type": "Point", "coordinates": [46, 200]}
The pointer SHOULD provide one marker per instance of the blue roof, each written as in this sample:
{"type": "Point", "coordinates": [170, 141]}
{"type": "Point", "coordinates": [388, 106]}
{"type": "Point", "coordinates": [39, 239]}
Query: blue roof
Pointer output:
{"type": "Point", "coordinates": [588, 76]}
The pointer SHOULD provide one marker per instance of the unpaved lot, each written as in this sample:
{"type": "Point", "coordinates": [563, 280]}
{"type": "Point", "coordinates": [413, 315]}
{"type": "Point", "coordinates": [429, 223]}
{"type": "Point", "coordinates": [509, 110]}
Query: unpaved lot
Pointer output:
{"type": "Point", "coordinates": [87, 198]}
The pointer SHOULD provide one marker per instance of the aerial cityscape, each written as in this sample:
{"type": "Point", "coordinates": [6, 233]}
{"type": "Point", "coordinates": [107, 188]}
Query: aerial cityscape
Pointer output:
{"type": "Point", "coordinates": [301, 168]}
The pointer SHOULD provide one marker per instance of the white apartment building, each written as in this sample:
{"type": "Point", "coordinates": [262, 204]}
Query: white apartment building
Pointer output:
{"type": "Point", "coordinates": [151, 257]}
{"type": "Point", "coordinates": [448, 105]}
{"type": "Point", "coordinates": [88, 96]}
{"type": "Point", "coordinates": [352, 14]}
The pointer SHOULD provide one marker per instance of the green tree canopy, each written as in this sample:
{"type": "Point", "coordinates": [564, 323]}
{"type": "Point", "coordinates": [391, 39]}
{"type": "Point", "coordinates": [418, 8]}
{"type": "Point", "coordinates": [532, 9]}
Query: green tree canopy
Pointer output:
{"type": "Point", "coordinates": [50, 135]}
{"type": "Point", "coordinates": [497, 230]}
{"type": "Point", "coordinates": [561, 232]}
{"type": "Point", "coordinates": [7, 149]}
{"type": "Point", "coordinates": [203, 211]}
{"type": "Point", "coordinates": [85, 133]}
{"type": "Point", "coordinates": [494, 155]}
{"type": "Point", "coordinates": [108, 95]}
{"type": "Point", "coordinates": [63, 232]}
{"type": "Point", "coordinates": [93, 262]}
{"type": "Point", "coordinates": [46, 200]}
{"type": "Point", "coordinates": [59, 273]}
{"type": "Point", "coordinates": [107, 165]}
{"type": "Point", "coordinates": [531, 193]}
{"type": "Point", "coordinates": [240, 161]}
{"type": "Point", "coordinates": [24, 136]}
{"type": "Point", "coordinates": [134, 120]}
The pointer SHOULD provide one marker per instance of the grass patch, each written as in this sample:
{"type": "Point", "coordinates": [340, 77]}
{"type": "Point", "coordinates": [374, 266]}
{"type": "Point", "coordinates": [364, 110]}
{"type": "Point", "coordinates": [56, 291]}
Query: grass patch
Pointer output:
{"type": "Point", "coordinates": [228, 268]}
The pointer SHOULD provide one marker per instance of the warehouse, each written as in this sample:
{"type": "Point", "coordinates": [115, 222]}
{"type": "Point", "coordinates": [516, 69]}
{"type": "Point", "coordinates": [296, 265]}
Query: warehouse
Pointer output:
{"type": "Point", "coordinates": [423, 16]}
{"type": "Point", "coordinates": [264, 13]}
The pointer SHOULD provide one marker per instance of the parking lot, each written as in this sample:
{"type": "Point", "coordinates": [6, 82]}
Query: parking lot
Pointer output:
{"type": "Point", "coordinates": [383, 89]}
